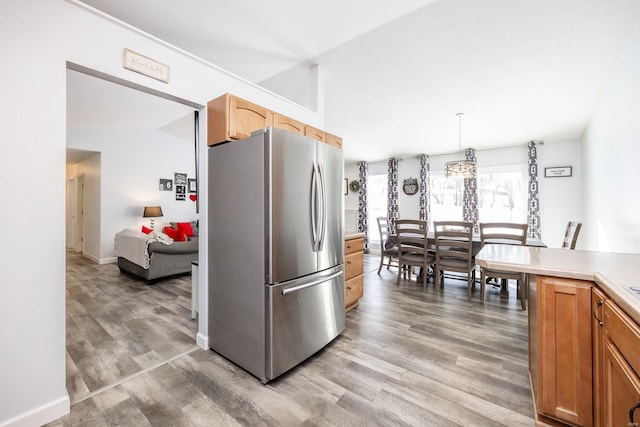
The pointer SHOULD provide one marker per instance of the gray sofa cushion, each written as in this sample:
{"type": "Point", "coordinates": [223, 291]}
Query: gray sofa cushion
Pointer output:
{"type": "Point", "coordinates": [189, 246]}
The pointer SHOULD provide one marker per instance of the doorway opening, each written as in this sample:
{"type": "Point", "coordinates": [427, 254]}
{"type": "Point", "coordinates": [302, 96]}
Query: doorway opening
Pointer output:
{"type": "Point", "coordinates": [121, 141]}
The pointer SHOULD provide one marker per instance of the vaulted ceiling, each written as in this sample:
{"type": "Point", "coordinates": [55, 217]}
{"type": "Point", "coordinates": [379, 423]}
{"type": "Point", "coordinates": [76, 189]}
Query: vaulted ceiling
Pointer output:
{"type": "Point", "coordinates": [396, 73]}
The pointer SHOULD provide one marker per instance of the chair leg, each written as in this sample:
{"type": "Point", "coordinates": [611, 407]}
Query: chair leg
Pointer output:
{"type": "Point", "coordinates": [381, 263]}
{"type": "Point", "coordinates": [400, 268]}
{"type": "Point", "coordinates": [471, 282]}
{"type": "Point", "coordinates": [523, 300]}
{"type": "Point", "coordinates": [483, 280]}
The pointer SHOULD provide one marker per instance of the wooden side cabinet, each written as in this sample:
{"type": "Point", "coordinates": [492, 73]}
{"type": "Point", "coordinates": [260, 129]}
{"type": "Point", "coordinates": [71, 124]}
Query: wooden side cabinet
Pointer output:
{"type": "Point", "coordinates": [621, 368]}
{"type": "Point", "coordinates": [564, 350]}
{"type": "Point", "coordinates": [354, 269]}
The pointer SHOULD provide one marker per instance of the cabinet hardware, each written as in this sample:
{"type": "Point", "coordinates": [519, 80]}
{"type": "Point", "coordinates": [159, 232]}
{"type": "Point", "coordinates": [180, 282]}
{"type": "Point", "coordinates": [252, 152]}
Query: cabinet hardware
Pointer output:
{"type": "Point", "coordinates": [631, 411]}
{"type": "Point", "coordinates": [595, 315]}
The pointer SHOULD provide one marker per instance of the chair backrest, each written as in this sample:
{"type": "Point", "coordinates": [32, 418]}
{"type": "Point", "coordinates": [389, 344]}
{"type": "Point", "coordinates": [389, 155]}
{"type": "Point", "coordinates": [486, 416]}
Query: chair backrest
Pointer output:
{"type": "Point", "coordinates": [454, 241]}
{"type": "Point", "coordinates": [412, 236]}
{"type": "Point", "coordinates": [571, 235]}
{"type": "Point", "coordinates": [383, 227]}
{"type": "Point", "coordinates": [503, 232]}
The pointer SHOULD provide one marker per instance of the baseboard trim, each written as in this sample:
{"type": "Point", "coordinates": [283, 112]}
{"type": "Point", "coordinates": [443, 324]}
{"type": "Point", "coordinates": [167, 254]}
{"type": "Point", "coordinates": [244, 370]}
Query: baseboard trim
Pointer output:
{"type": "Point", "coordinates": [42, 415]}
{"type": "Point", "coordinates": [202, 341]}
{"type": "Point", "coordinates": [110, 260]}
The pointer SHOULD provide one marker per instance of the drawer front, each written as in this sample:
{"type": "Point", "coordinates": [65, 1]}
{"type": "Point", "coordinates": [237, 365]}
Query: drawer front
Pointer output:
{"type": "Point", "coordinates": [353, 290]}
{"type": "Point", "coordinates": [624, 333]}
{"type": "Point", "coordinates": [353, 246]}
{"type": "Point", "coordinates": [353, 265]}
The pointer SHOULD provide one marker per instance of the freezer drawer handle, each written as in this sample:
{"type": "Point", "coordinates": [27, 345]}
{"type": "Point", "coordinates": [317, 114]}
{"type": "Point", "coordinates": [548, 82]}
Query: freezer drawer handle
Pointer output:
{"type": "Point", "coordinates": [310, 284]}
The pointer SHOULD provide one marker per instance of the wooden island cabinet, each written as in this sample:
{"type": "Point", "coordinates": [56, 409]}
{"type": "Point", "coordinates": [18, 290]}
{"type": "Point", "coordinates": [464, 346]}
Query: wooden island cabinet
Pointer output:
{"type": "Point", "coordinates": [584, 333]}
{"type": "Point", "coordinates": [231, 118]}
{"type": "Point", "coordinates": [353, 270]}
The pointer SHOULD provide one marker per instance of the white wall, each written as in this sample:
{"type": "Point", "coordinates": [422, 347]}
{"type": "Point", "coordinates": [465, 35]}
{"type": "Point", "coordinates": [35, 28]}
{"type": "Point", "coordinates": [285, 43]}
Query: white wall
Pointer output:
{"type": "Point", "coordinates": [610, 158]}
{"type": "Point", "coordinates": [560, 198]}
{"type": "Point", "coordinates": [37, 38]}
{"type": "Point", "coordinates": [133, 161]}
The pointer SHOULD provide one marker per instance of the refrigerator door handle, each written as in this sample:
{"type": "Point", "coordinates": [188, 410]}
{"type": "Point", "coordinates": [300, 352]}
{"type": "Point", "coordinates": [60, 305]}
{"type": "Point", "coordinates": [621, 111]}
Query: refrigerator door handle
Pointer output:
{"type": "Point", "coordinates": [323, 209]}
{"type": "Point", "coordinates": [310, 284]}
{"type": "Point", "coordinates": [314, 226]}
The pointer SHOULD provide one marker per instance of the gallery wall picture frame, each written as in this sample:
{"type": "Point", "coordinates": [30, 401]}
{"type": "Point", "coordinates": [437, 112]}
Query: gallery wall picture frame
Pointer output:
{"type": "Point", "coordinates": [346, 186]}
{"type": "Point", "coordinates": [558, 172]}
{"type": "Point", "coordinates": [181, 191]}
{"type": "Point", "coordinates": [166, 185]}
{"type": "Point", "coordinates": [193, 186]}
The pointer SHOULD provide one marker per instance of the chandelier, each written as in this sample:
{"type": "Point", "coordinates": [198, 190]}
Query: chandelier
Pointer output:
{"type": "Point", "coordinates": [460, 168]}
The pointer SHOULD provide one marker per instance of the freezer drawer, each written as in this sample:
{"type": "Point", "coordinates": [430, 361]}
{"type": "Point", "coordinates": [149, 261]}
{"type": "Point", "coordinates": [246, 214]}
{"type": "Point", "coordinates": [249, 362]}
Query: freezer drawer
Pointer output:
{"type": "Point", "coordinates": [303, 316]}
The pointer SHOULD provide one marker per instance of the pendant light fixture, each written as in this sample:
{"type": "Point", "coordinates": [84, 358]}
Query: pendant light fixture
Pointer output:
{"type": "Point", "coordinates": [460, 168]}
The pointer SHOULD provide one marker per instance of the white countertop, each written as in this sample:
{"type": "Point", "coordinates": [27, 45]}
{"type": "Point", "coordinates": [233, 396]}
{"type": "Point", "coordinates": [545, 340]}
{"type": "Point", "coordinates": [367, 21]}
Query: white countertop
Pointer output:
{"type": "Point", "coordinates": [350, 235]}
{"type": "Point", "coordinates": [611, 271]}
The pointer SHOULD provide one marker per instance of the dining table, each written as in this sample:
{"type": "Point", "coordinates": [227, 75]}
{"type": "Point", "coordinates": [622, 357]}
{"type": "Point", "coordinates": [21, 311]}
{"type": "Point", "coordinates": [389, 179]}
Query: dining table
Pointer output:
{"type": "Point", "coordinates": [476, 245]}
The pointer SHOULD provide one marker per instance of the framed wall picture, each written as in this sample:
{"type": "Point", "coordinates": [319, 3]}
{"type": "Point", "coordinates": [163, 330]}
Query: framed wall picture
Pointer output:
{"type": "Point", "coordinates": [166, 184]}
{"type": "Point", "coordinates": [193, 187]}
{"type": "Point", "coordinates": [559, 171]}
{"type": "Point", "coordinates": [181, 191]}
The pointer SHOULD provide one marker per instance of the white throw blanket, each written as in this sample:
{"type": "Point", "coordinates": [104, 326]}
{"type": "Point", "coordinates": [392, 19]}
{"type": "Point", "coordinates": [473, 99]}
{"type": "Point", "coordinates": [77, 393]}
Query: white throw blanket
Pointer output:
{"type": "Point", "coordinates": [132, 245]}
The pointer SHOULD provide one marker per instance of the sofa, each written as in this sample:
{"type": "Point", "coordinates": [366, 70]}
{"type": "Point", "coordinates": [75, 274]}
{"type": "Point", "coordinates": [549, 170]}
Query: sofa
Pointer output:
{"type": "Point", "coordinates": [155, 255]}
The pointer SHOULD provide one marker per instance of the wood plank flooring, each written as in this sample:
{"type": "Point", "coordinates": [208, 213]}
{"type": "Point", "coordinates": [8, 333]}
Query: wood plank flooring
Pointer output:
{"type": "Point", "coordinates": [408, 357]}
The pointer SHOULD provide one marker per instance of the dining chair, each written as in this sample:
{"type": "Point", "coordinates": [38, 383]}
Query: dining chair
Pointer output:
{"type": "Point", "coordinates": [454, 243]}
{"type": "Point", "coordinates": [391, 252]}
{"type": "Point", "coordinates": [412, 246]}
{"type": "Point", "coordinates": [504, 233]}
{"type": "Point", "coordinates": [571, 235]}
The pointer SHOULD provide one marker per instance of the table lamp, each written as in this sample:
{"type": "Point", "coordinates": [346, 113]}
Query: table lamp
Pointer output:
{"type": "Point", "coordinates": [152, 212]}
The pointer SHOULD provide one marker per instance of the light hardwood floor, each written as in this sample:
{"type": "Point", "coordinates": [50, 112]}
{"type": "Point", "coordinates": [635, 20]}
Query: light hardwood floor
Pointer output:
{"type": "Point", "coordinates": [408, 357]}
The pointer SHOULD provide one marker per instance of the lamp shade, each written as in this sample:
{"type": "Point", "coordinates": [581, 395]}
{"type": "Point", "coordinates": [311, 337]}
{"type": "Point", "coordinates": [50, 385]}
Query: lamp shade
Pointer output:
{"type": "Point", "coordinates": [152, 212]}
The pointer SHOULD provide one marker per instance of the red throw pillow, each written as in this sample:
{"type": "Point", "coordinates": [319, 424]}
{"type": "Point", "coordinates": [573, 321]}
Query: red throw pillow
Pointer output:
{"type": "Point", "coordinates": [176, 235]}
{"type": "Point", "coordinates": [146, 230]}
{"type": "Point", "coordinates": [186, 227]}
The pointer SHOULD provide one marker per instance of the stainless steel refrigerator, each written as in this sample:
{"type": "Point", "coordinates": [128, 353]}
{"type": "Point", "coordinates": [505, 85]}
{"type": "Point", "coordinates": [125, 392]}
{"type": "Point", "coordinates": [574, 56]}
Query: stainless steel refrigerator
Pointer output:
{"type": "Point", "coordinates": [276, 250]}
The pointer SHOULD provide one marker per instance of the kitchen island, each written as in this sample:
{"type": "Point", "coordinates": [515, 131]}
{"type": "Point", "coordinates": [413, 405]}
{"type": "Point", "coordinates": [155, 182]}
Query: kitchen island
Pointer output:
{"type": "Point", "coordinates": [584, 338]}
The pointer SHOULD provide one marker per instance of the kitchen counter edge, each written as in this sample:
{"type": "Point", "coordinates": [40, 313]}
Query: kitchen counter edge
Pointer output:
{"type": "Point", "coordinates": [351, 236]}
{"type": "Point", "coordinates": [612, 272]}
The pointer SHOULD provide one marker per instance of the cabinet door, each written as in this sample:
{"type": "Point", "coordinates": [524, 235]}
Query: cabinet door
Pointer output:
{"type": "Point", "coordinates": [564, 350]}
{"type": "Point", "coordinates": [597, 330]}
{"type": "Point", "coordinates": [286, 123]}
{"type": "Point", "coordinates": [246, 117]}
{"type": "Point", "coordinates": [336, 141]}
{"type": "Point", "coordinates": [622, 388]}
{"type": "Point", "coordinates": [621, 366]}
{"type": "Point", "coordinates": [318, 134]}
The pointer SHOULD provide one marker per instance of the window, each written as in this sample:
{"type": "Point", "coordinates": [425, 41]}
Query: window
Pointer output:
{"type": "Point", "coordinates": [502, 194]}
{"type": "Point", "coordinates": [377, 198]}
{"type": "Point", "coordinates": [446, 198]}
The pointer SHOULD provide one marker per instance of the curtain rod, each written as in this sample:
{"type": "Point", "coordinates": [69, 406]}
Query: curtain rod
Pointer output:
{"type": "Point", "coordinates": [417, 156]}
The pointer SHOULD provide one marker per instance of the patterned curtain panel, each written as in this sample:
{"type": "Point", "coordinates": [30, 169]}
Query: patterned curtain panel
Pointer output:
{"type": "Point", "coordinates": [533, 215]}
{"type": "Point", "coordinates": [470, 197]}
{"type": "Point", "coordinates": [392, 194]}
{"type": "Point", "coordinates": [363, 205]}
{"type": "Point", "coordinates": [425, 190]}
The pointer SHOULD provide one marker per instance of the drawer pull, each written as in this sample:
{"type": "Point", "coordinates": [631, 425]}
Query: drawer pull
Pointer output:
{"type": "Point", "coordinates": [349, 287]}
{"type": "Point", "coordinates": [631, 411]}
{"type": "Point", "coordinates": [595, 314]}
{"type": "Point", "coordinates": [348, 247]}
{"type": "Point", "coordinates": [349, 262]}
